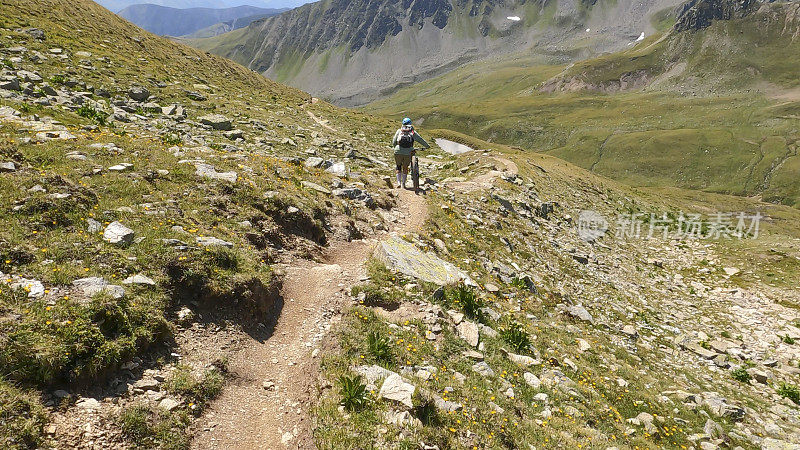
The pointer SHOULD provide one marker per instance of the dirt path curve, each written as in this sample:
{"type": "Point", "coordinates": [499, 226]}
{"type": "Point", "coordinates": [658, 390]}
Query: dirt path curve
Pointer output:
{"type": "Point", "coordinates": [252, 415]}
{"type": "Point", "coordinates": [486, 180]}
{"type": "Point", "coordinates": [322, 123]}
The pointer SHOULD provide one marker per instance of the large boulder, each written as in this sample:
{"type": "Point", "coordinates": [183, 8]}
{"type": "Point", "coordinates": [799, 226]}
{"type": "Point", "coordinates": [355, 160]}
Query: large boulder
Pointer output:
{"type": "Point", "coordinates": [217, 122]}
{"type": "Point", "coordinates": [138, 93]}
{"type": "Point", "coordinates": [404, 257]}
{"type": "Point", "coordinates": [394, 388]}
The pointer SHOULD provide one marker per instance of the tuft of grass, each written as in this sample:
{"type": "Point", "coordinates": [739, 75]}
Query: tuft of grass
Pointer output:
{"type": "Point", "coordinates": [150, 427]}
{"type": "Point", "coordinates": [517, 337]}
{"type": "Point", "coordinates": [171, 139]}
{"type": "Point", "coordinates": [22, 418]}
{"type": "Point", "coordinates": [353, 393]}
{"type": "Point", "coordinates": [380, 348]}
{"type": "Point", "coordinates": [93, 114]}
{"type": "Point", "coordinates": [790, 391]}
{"type": "Point", "coordinates": [741, 375]}
{"type": "Point", "coordinates": [788, 339]}
{"type": "Point", "coordinates": [465, 298]}
{"type": "Point", "coordinates": [197, 389]}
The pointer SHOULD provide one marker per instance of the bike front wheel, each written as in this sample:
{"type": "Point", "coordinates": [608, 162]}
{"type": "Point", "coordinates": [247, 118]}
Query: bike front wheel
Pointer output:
{"type": "Point", "coordinates": [415, 171]}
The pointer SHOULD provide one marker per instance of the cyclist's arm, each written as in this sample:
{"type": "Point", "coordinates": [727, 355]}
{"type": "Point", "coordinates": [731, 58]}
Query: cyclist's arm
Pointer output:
{"type": "Point", "coordinates": [419, 139]}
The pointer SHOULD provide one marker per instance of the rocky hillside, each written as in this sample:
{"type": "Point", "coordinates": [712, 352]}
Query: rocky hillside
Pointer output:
{"type": "Point", "coordinates": [354, 51]}
{"type": "Point", "coordinates": [167, 21]}
{"type": "Point", "coordinates": [707, 49]}
{"type": "Point", "coordinates": [195, 256]}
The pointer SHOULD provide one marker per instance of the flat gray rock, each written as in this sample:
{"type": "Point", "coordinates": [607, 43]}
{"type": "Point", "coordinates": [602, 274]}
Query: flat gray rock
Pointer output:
{"type": "Point", "coordinates": [117, 233]}
{"type": "Point", "coordinates": [468, 331]}
{"type": "Point", "coordinates": [92, 286]}
{"type": "Point", "coordinates": [217, 122]}
{"type": "Point", "coordinates": [209, 241]}
{"type": "Point", "coordinates": [139, 279]}
{"type": "Point", "coordinates": [394, 388]}
{"type": "Point", "coordinates": [404, 257]}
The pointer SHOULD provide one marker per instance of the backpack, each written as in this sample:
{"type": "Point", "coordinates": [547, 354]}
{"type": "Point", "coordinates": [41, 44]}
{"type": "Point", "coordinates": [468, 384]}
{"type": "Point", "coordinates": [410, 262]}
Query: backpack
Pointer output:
{"type": "Point", "coordinates": [406, 139]}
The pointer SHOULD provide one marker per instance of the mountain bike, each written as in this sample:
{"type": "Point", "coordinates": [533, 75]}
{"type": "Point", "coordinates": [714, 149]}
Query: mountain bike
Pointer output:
{"type": "Point", "coordinates": [415, 170]}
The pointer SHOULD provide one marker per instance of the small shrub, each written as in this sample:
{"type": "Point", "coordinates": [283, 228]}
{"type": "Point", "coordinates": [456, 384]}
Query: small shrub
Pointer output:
{"type": "Point", "coordinates": [90, 113]}
{"type": "Point", "coordinates": [58, 79]}
{"type": "Point", "coordinates": [741, 375]}
{"type": "Point", "coordinates": [517, 337]}
{"type": "Point", "coordinates": [148, 427]}
{"type": "Point", "coordinates": [171, 139]}
{"type": "Point", "coordinates": [468, 301]}
{"type": "Point", "coordinates": [8, 64]}
{"type": "Point", "coordinates": [353, 393]}
{"type": "Point", "coordinates": [519, 283]}
{"type": "Point", "coordinates": [789, 391]}
{"type": "Point", "coordinates": [705, 345]}
{"type": "Point", "coordinates": [198, 389]}
{"type": "Point", "coordinates": [788, 339]}
{"type": "Point", "coordinates": [725, 334]}
{"type": "Point", "coordinates": [379, 347]}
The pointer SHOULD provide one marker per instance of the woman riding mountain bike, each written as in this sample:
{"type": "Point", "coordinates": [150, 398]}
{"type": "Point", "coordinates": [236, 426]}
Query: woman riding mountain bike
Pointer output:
{"type": "Point", "coordinates": [403, 143]}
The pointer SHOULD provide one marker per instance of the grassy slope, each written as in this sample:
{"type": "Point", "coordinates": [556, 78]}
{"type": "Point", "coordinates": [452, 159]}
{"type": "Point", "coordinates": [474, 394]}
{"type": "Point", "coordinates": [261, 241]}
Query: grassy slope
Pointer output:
{"type": "Point", "coordinates": [61, 340]}
{"type": "Point", "coordinates": [733, 141]}
{"type": "Point", "coordinates": [70, 346]}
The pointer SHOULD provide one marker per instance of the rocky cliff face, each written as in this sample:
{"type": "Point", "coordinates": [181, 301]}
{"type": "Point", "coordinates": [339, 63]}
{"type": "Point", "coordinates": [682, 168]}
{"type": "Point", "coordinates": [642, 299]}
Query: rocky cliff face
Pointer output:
{"type": "Point", "coordinates": [698, 14]}
{"type": "Point", "coordinates": [354, 51]}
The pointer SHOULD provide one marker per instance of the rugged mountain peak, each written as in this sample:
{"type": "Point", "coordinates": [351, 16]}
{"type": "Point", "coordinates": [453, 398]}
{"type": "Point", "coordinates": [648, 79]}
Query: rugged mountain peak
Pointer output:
{"type": "Point", "coordinates": [698, 14]}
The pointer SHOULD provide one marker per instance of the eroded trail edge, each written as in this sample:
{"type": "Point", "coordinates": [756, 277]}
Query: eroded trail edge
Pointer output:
{"type": "Point", "coordinates": [267, 404]}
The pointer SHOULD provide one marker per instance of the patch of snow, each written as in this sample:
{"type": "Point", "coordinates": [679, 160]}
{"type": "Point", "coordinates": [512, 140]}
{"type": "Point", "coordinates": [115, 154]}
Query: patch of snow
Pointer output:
{"type": "Point", "coordinates": [641, 37]}
{"type": "Point", "coordinates": [588, 30]}
{"type": "Point", "coordinates": [454, 148]}
{"type": "Point", "coordinates": [514, 18]}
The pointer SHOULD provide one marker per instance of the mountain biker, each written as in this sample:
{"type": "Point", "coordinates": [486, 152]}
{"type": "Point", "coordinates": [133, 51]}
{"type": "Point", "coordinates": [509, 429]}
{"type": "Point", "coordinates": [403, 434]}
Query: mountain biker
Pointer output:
{"type": "Point", "coordinates": [403, 143]}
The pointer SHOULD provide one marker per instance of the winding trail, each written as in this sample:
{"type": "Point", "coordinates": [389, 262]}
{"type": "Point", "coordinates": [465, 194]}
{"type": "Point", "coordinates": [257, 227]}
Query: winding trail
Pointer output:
{"type": "Point", "coordinates": [267, 404]}
{"type": "Point", "coordinates": [486, 180]}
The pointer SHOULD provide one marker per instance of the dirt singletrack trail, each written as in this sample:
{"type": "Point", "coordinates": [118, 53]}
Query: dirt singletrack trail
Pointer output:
{"type": "Point", "coordinates": [266, 406]}
{"type": "Point", "coordinates": [486, 180]}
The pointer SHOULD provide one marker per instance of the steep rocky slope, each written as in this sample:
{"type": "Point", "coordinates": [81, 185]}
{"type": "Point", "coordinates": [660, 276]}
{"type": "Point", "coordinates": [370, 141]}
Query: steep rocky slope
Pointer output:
{"type": "Point", "coordinates": [167, 21]}
{"type": "Point", "coordinates": [185, 261]}
{"type": "Point", "coordinates": [354, 51]}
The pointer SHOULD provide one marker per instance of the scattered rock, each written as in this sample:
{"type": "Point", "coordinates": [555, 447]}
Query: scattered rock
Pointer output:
{"type": "Point", "coordinates": [139, 279]}
{"type": "Point", "coordinates": [394, 388]}
{"type": "Point", "coordinates": [217, 122]}
{"type": "Point", "coordinates": [138, 93]}
{"type": "Point", "coordinates": [483, 369]}
{"type": "Point", "coordinates": [468, 331]}
{"type": "Point", "coordinates": [92, 286]}
{"type": "Point", "coordinates": [117, 233]}
{"type": "Point", "coordinates": [209, 241]}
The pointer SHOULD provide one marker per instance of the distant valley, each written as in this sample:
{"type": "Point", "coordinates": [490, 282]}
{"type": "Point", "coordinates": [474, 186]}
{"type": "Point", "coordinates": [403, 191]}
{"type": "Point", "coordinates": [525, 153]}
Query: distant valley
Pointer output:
{"type": "Point", "coordinates": [198, 22]}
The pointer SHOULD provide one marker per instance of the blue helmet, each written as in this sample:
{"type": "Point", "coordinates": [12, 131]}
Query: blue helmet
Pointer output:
{"type": "Point", "coordinates": [406, 121]}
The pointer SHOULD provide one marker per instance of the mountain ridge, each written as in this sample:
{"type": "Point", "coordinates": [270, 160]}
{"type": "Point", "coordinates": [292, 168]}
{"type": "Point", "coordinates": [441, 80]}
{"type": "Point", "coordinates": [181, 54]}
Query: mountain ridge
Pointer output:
{"type": "Point", "coordinates": [324, 47]}
{"type": "Point", "coordinates": [167, 21]}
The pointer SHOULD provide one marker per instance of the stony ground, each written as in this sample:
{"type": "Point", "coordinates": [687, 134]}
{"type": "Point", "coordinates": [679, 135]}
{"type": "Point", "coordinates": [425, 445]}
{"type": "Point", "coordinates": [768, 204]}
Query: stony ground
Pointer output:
{"type": "Point", "coordinates": [204, 258]}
